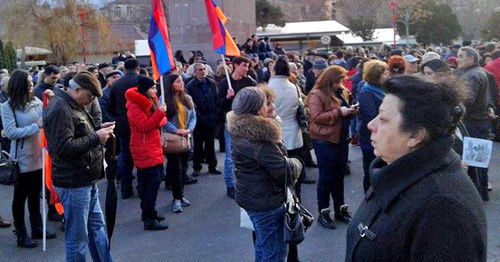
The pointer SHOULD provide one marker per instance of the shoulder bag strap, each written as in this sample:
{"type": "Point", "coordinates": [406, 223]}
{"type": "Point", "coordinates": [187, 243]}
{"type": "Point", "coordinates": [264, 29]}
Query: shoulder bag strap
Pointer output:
{"type": "Point", "coordinates": [15, 121]}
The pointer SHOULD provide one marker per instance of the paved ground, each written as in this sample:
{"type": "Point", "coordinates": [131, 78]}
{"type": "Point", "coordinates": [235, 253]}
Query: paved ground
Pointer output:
{"type": "Point", "coordinates": [209, 229]}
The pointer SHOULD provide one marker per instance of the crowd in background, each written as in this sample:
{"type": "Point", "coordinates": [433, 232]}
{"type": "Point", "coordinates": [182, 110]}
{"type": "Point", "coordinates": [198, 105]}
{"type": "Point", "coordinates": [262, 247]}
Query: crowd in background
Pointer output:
{"type": "Point", "coordinates": [342, 90]}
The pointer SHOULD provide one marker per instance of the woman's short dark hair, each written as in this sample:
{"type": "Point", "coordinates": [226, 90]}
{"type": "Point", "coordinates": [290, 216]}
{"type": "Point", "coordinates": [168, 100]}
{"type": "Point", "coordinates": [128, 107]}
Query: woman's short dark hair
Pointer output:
{"type": "Point", "coordinates": [19, 93]}
{"type": "Point", "coordinates": [281, 67]}
{"type": "Point", "coordinates": [435, 107]}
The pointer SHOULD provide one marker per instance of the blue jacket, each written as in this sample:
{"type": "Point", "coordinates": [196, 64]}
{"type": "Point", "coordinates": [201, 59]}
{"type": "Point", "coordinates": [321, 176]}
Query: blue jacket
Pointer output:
{"type": "Point", "coordinates": [26, 132]}
{"type": "Point", "coordinates": [104, 102]}
{"type": "Point", "coordinates": [173, 122]}
{"type": "Point", "coordinates": [369, 98]}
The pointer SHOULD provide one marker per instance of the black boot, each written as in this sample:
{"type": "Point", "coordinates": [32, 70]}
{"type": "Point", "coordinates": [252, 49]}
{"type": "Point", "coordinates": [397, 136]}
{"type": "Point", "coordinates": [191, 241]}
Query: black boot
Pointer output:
{"type": "Point", "coordinates": [23, 240]}
{"type": "Point", "coordinates": [153, 224]}
{"type": "Point", "coordinates": [37, 229]}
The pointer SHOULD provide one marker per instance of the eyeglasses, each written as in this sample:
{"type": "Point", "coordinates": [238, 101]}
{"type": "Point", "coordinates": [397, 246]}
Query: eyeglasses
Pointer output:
{"type": "Point", "coordinates": [201, 69]}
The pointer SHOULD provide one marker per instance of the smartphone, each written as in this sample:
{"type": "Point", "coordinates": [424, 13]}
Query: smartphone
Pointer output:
{"type": "Point", "coordinates": [355, 106]}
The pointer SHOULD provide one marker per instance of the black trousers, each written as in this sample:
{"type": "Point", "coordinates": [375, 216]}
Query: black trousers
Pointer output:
{"type": "Point", "coordinates": [204, 137]}
{"type": "Point", "coordinates": [368, 157]}
{"type": "Point", "coordinates": [177, 165]}
{"type": "Point", "coordinates": [332, 161]}
{"type": "Point", "coordinates": [28, 187]}
{"type": "Point", "coordinates": [148, 183]}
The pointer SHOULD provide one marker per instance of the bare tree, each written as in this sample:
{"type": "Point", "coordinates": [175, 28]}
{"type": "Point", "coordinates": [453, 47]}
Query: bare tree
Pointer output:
{"type": "Point", "coordinates": [57, 26]}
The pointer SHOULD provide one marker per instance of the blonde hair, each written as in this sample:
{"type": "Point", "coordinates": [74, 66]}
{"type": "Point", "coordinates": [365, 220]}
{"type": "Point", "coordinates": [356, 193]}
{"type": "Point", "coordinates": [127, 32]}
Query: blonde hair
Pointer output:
{"type": "Point", "coordinates": [372, 70]}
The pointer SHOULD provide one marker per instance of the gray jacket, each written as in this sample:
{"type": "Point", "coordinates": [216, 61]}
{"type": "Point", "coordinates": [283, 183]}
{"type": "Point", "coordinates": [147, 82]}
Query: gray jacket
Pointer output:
{"type": "Point", "coordinates": [26, 132]}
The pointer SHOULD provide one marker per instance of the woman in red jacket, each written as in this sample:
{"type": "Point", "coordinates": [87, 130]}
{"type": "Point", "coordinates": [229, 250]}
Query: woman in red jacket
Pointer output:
{"type": "Point", "coordinates": [145, 118]}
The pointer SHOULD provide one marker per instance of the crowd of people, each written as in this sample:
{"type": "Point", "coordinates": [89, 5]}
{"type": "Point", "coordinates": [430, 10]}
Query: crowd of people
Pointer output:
{"type": "Point", "coordinates": [408, 109]}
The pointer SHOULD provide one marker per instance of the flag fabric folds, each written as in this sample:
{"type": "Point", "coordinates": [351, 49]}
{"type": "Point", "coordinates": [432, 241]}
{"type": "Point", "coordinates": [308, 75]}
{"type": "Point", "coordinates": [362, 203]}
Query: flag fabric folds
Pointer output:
{"type": "Point", "coordinates": [221, 39]}
{"type": "Point", "coordinates": [54, 197]}
{"type": "Point", "coordinates": [159, 45]}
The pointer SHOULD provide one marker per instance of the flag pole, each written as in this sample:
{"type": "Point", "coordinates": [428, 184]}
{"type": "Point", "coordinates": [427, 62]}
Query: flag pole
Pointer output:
{"type": "Point", "coordinates": [227, 72]}
{"type": "Point", "coordinates": [162, 90]}
{"type": "Point", "coordinates": [44, 214]}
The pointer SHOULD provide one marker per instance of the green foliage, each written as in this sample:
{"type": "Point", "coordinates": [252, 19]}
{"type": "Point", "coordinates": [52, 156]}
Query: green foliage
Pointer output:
{"type": "Point", "coordinates": [441, 26]}
{"type": "Point", "coordinates": [267, 13]}
{"type": "Point", "coordinates": [491, 29]}
{"type": "Point", "coordinates": [361, 26]}
{"type": "Point", "coordinates": [10, 57]}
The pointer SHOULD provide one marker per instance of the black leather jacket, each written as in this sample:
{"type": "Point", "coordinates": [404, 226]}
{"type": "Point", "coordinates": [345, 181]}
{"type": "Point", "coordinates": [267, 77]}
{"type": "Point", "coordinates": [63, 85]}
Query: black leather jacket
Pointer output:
{"type": "Point", "coordinates": [73, 144]}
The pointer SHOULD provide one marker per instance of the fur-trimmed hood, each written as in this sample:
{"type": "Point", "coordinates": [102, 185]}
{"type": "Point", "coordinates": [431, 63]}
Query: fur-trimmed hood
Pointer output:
{"type": "Point", "coordinates": [133, 96]}
{"type": "Point", "coordinates": [254, 128]}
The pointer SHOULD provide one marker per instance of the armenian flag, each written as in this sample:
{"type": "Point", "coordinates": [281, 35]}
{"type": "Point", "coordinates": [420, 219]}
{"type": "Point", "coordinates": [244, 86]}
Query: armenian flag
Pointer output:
{"type": "Point", "coordinates": [161, 54]}
{"type": "Point", "coordinates": [221, 39]}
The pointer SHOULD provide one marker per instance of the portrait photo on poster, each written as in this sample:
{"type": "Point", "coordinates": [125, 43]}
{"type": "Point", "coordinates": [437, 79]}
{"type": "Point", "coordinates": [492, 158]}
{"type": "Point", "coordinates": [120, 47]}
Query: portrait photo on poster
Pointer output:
{"type": "Point", "coordinates": [477, 152]}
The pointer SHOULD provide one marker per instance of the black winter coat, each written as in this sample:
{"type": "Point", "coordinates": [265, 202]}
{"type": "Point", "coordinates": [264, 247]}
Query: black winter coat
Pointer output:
{"type": "Point", "coordinates": [74, 147]}
{"type": "Point", "coordinates": [260, 162]}
{"type": "Point", "coordinates": [422, 207]}
{"type": "Point", "coordinates": [206, 105]}
{"type": "Point", "coordinates": [116, 107]}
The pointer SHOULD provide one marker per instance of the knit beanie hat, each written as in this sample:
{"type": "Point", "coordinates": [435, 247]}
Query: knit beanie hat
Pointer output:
{"type": "Point", "coordinates": [249, 100]}
{"type": "Point", "coordinates": [88, 81]}
{"type": "Point", "coordinates": [144, 83]}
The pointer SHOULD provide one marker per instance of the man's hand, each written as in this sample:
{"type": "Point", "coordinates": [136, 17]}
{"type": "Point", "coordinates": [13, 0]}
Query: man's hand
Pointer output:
{"type": "Point", "coordinates": [230, 93]}
{"type": "Point", "coordinates": [107, 124]}
{"type": "Point", "coordinates": [50, 94]}
{"type": "Point", "coordinates": [105, 132]}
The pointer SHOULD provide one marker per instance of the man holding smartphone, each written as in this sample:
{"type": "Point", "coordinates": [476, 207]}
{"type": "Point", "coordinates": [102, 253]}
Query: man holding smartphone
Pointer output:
{"type": "Point", "coordinates": [75, 146]}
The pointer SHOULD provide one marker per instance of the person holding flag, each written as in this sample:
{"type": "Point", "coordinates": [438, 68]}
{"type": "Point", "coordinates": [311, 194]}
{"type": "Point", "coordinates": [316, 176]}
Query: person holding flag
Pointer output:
{"type": "Point", "coordinates": [223, 44]}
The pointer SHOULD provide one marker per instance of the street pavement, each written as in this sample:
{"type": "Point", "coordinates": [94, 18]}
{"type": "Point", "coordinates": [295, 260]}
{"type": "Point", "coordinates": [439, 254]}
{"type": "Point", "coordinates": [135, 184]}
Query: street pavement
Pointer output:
{"type": "Point", "coordinates": [209, 229]}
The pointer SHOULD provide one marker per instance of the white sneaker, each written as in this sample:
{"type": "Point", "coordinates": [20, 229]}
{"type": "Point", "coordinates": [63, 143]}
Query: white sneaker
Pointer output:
{"type": "Point", "coordinates": [185, 202]}
{"type": "Point", "coordinates": [176, 206]}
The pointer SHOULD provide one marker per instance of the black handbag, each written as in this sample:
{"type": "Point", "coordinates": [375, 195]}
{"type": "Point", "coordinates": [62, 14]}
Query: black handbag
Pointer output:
{"type": "Point", "coordinates": [9, 169]}
{"type": "Point", "coordinates": [302, 117]}
{"type": "Point", "coordinates": [297, 218]}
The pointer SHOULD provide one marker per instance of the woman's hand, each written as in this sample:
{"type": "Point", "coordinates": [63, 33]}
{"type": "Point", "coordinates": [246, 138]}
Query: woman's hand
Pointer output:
{"type": "Point", "coordinates": [163, 107]}
{"type": "Point", "coordinates": [347, 111]}
{"type": "Point", "coordinates": [183, 132]}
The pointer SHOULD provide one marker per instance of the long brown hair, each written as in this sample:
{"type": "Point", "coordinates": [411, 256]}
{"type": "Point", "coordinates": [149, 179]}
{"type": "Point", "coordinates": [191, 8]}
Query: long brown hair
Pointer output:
{"type": "Point", "coordinates": [326, 80]}
{"type": "Point", "coordinates": [172, 107]}
{"type": "Point", "coordinates": [18, 89]}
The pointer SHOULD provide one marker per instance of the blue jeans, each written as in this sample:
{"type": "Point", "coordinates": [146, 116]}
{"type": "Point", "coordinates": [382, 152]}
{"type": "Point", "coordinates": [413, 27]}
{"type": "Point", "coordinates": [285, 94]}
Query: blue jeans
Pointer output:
{"type": "Point", "coordinates": [269, 243]}
{"type": "Point", "coordinates": [125, 165]}
{"type": "Point", "coordinates": [228, 160]}
{"type": "Point", "coordinates": [84, 224]}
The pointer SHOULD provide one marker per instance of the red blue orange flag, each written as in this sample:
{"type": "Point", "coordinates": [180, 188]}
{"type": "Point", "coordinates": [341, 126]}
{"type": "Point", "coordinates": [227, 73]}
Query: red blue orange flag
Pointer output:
{"type": "Point", "coordinates": [162, 60]}
{"type": "Point", "coordinates": [221, 39]}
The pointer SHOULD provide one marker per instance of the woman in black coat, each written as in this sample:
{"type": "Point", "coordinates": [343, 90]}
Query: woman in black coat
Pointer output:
{"type": "Point", "coordinates": [421, 205]}
{"type": "Point", "coordinates": [260, 169]}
